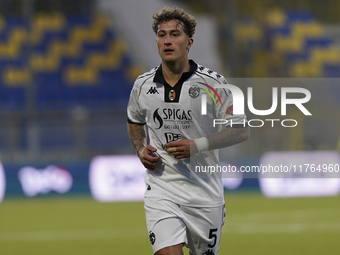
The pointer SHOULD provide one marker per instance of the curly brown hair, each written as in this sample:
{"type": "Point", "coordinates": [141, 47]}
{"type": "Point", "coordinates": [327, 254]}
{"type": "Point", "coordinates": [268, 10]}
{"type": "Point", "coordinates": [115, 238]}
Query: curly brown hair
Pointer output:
{"type": "Point", "coordinates": [167, 14]}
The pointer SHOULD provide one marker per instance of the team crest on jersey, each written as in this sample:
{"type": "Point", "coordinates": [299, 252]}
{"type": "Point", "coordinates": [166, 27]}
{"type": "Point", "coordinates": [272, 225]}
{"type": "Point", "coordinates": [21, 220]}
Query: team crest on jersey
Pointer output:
{"type": "Point", "coordinates": [172, 95]}
{"type": "Point", "coordinates": [152, 237]}
{"type": "Point", "coordinates": [194, 92]}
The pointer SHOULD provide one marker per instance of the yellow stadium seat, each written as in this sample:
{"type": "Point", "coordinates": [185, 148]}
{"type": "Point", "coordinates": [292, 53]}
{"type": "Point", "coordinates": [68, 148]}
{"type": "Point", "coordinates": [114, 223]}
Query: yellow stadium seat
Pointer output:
{"type": "Point", "coordinates": [291, 44]}
{"type": "Point", "coordinates": [325, 55]}
{"type": "Point", "coordinates": [306, 70]}
{"type": "Point", "coordinates": [83, 76]}
{"type": "Point", "coordinates": [14, 77]}
{"type": "Point", "coordinates": [304, 29]}
{"type": "Point", "coordinates": [13, 46]}
{"type": "Point", "coordinates": [96, 62]}
{"type": "Point", "coordinates": [246, 32]}
{"type": "Point", "coordinates": [276, 18]}
{"type": "Point", "coordinates": [46, 22]}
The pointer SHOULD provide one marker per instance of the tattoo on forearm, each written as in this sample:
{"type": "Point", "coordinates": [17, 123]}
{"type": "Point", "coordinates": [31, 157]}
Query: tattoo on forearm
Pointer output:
{"type": "Point", "coordinates": [228, 137]}
{"type": "Point", "coordinates": [137, 135]}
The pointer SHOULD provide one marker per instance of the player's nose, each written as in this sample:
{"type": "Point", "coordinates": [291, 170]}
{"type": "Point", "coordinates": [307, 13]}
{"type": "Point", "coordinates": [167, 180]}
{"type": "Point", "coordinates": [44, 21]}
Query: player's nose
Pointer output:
{"type": "Point", "coordinates": [167, 40]}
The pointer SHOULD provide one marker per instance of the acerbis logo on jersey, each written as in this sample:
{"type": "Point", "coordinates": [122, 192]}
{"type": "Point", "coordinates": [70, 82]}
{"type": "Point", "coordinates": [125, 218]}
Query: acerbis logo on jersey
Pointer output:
{"type": "Point", "coordinates": [172, 137]}
{"type": "Point", "coordinates": [179, 118]}
{"type": "Point", "coordinates": [152, 90]}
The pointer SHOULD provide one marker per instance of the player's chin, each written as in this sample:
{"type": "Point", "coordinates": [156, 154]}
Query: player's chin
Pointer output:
{"type": "Point", "coordinates": [168, 58]}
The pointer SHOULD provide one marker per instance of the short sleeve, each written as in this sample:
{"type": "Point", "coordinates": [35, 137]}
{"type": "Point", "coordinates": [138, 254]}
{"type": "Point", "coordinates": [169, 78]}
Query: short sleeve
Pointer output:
{"type": "Point", "coordinates": [135, 113]}
{"type": "Point", "coordinates": [225, 110]}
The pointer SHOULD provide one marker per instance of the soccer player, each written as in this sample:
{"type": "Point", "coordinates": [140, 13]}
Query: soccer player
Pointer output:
{"type": "Point", "coordinates": [172, 137]}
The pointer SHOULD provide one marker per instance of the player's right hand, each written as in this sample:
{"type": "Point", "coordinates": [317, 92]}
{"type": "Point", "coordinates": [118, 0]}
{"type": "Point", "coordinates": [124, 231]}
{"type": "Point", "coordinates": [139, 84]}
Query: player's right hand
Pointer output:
{"type": "Point", "coordinates": [148, 157]}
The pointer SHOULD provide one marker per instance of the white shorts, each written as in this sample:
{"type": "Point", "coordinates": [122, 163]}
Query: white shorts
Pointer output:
{"type": "Point", "coordinates": [198, 228]}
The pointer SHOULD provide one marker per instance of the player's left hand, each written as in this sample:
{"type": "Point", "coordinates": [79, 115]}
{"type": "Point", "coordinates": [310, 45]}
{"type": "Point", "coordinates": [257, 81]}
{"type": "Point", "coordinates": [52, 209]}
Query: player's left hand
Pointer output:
{"type": "Point", "coordinates": [181, 149]}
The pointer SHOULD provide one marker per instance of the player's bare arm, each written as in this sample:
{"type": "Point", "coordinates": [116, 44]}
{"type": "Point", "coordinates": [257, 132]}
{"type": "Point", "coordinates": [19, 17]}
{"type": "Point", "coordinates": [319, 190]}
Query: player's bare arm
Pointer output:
{"type": "Point", "coordinates": [145, 152]}
{"type": "Point", "coordinates": [225, 138]}
{"type": "Point", "coordinates": [228, 137]}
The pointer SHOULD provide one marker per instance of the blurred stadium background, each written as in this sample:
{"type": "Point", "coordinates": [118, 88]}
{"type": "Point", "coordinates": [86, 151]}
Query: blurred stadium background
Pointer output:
{"type": "Point", "coordinates": [67, 68]}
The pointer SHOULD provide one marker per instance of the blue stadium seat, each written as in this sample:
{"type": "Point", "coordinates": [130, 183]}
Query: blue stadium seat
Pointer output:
{"type": "Point", "coordinates": [304, 16]}
{"type": "Point", "coordinates": [110, 88]}
{"type": "Point", "coordinates": [318, 42]}
{"type": "Point", "coordinates": [56, 136]}
{"type": "Point", "coordinates": [332, 71]}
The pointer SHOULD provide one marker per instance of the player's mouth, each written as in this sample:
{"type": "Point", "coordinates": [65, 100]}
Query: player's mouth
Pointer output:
{"type": "Point", "coordinates": [168, 51]}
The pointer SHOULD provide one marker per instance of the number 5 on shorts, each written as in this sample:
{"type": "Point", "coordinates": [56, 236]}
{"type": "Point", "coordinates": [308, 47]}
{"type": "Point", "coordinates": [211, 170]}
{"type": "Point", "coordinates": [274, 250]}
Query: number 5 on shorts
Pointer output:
{"type": "Point", "coordinates": [212, 235]}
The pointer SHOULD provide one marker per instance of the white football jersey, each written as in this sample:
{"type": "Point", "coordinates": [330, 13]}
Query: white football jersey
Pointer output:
{"type": "Point", "coordinates": [174, 113]}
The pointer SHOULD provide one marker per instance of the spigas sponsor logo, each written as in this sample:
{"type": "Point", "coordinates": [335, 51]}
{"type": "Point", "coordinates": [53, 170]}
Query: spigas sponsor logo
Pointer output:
{"type": "Point", "coordinates": [169, 118]}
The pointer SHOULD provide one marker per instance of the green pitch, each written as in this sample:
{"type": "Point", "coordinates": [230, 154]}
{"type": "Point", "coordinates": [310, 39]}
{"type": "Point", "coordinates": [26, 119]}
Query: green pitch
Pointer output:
{"type": "Point", "coordinates": [254, 225]}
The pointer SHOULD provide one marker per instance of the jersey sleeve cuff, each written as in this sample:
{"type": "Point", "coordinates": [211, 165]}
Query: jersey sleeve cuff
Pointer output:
{"type": "Point", "coordinates": [132, 122]}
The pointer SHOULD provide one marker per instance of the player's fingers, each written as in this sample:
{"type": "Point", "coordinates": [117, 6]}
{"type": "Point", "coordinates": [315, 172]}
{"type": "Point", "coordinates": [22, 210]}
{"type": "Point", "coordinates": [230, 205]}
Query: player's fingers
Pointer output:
{"type": "Point", "coordinates": [150, 149]}
{"type": "Point", "coordinates": [181, 156]}
{"type": "Point", "coordinates": [176, 149]}
{"type": "Point", "coordinates": [150, 165]}
{"type": "Point", "coordinates": [172, 144]}
{"type": "Point", "coordinates": [149, 154]}
{"type": "Point", "coordinates": [168, 144]}
{"type": "Point", "coordinates": [171, 149]}
{"type": "Point", "coordinates": [182, 152]}
{"type": "Point", "coordinates": [151, 159]}
{"type": "Point", "coordinates": [179, 149]}
{"type": "Point", "coordinates": [154, 160]}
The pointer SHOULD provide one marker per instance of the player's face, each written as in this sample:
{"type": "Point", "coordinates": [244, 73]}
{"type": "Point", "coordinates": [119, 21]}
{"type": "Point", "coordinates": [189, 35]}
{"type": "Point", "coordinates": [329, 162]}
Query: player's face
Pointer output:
{"type": "Point", "coordinates": [173, 44]}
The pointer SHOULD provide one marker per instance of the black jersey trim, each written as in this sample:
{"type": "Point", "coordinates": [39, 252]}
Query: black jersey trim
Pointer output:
{"type": "Point", "coordinates": [209, 76]}
{"type": "Point", "coordinates": [140, 88]}
{"type": "Point", "coordinates": [131, 122]}
{"type": "Point", "coordinates": [172, 94]}
{"type": "Point", "coordinates": [151, 72]}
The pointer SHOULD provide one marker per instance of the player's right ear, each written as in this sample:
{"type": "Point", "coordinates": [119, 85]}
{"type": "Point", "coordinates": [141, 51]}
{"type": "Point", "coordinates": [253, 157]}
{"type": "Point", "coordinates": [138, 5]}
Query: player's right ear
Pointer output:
{"type": "Point", "coordinates": [190, 42]}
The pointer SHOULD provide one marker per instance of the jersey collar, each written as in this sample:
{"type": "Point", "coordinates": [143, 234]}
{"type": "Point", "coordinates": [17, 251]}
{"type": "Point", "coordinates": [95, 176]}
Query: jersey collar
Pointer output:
{"type": "Point", "coordinates": [159, 78]}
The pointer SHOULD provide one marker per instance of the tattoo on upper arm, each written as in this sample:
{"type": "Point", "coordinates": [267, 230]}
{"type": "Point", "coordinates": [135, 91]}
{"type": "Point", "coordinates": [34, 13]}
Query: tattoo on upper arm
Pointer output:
{"type": "Point", "coordinates": [228, 137]}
